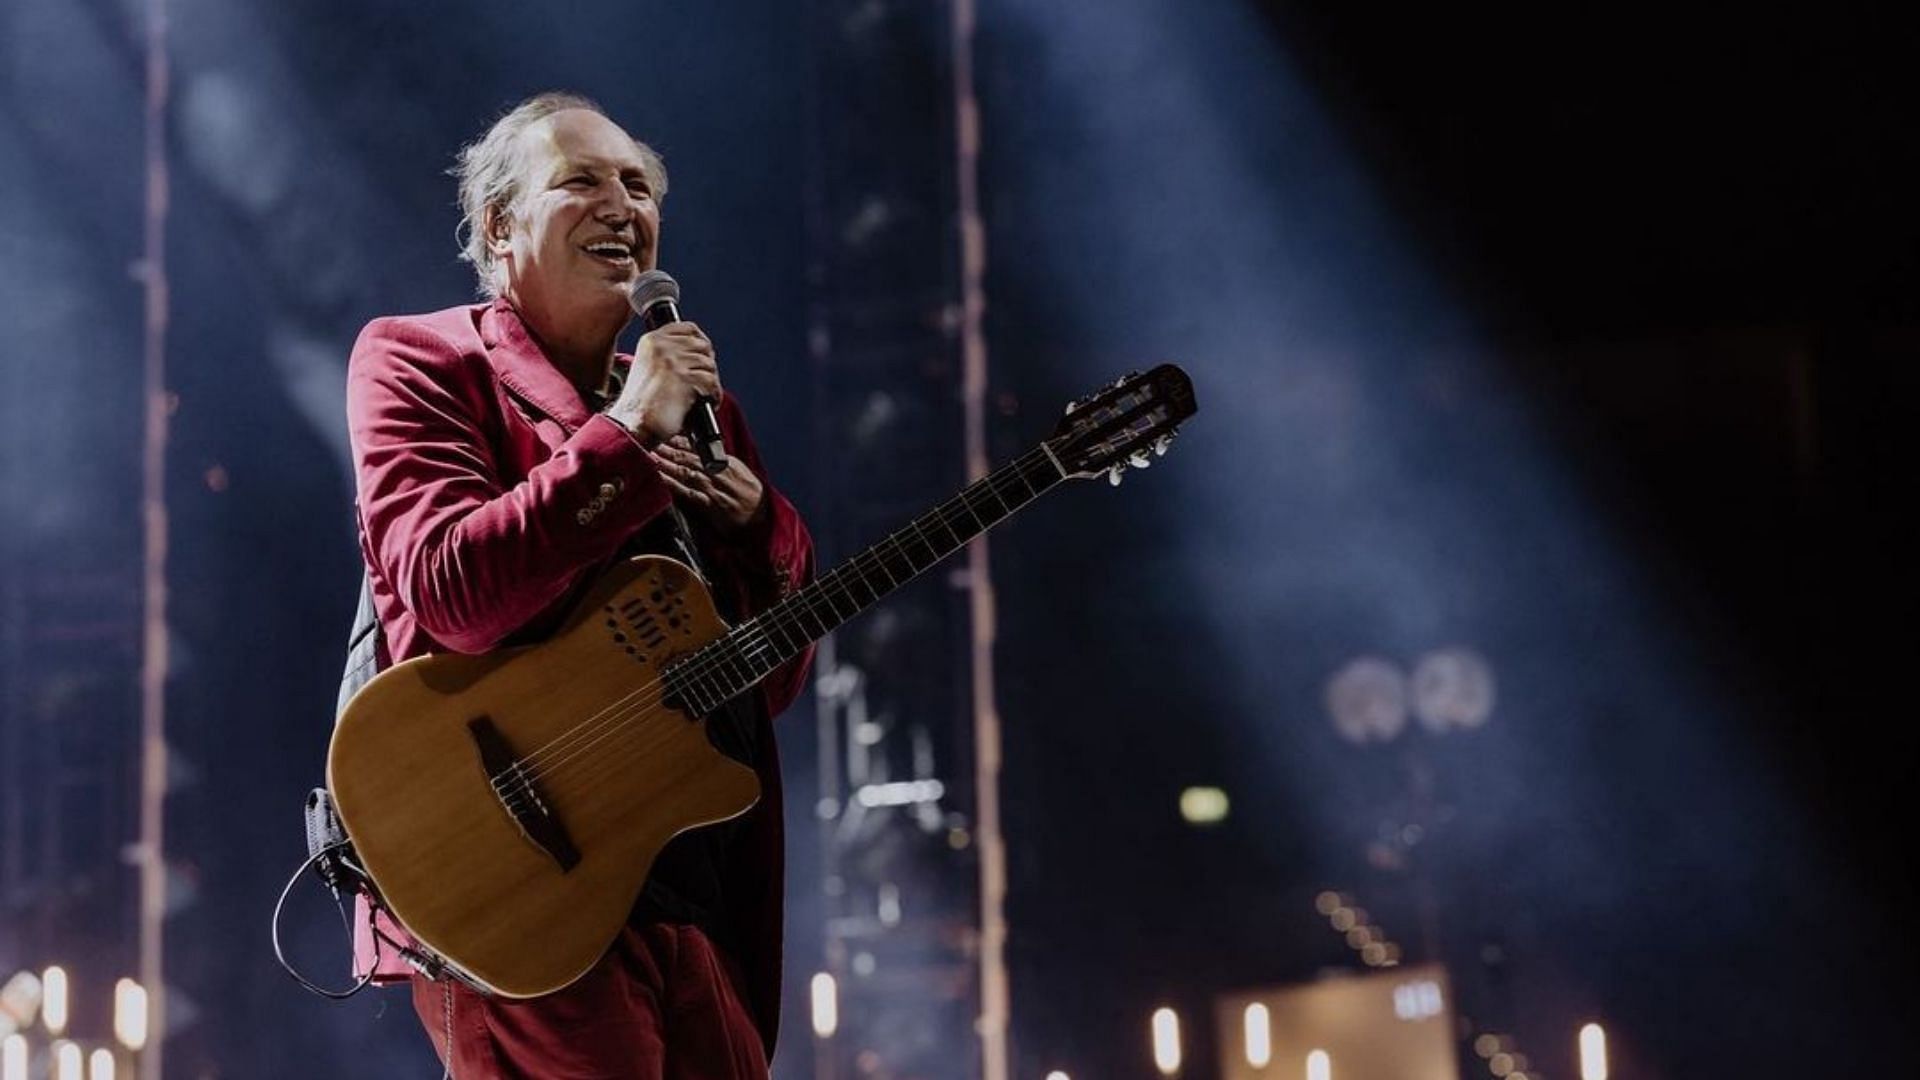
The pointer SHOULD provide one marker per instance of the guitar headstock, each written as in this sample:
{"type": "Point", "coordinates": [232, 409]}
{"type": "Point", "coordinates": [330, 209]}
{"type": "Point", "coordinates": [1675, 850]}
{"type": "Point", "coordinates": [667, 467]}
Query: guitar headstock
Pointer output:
{"type": "Point", "coordinates": [1124, 424]}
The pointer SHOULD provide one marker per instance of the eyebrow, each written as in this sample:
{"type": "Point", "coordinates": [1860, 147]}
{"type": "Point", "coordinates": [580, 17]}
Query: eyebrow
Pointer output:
{"type": "Point", "coordinates": [569, 166]}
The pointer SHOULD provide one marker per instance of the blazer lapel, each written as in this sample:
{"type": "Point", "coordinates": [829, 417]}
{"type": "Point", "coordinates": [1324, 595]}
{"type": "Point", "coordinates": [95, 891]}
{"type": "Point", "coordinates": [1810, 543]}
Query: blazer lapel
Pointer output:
{"type": "Point", "coordinates": [524, 369]}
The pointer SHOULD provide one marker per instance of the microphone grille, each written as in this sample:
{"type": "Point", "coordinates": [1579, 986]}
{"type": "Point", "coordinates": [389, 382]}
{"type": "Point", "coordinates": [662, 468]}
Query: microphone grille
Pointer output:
{"type": "Point", "coordinates": [650, 288]}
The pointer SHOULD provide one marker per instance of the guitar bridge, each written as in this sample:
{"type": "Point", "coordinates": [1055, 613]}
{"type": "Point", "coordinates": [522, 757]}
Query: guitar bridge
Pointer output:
{"type": "Point", "coordinates": [519, 796]}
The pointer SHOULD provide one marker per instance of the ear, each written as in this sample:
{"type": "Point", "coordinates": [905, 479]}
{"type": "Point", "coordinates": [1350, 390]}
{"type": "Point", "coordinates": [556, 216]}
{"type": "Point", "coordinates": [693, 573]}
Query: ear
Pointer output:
{"type": "Point", "coordinates": [499, 227]}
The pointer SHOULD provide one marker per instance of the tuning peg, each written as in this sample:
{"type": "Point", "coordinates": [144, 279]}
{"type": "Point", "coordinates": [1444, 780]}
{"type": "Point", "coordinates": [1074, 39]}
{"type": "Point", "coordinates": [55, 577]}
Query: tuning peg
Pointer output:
{"type": "Point", "coordinates": [1140, 459]}
{"type": "Point", "coordinates": [1115, 474]}
{"type": "Point", "coordinates": [1160, 445]}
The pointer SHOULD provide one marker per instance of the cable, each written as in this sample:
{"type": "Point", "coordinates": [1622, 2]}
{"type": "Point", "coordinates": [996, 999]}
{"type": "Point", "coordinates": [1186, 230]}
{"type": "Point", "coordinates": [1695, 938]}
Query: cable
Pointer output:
{"type": "Point", "coordinates": [280, 954]}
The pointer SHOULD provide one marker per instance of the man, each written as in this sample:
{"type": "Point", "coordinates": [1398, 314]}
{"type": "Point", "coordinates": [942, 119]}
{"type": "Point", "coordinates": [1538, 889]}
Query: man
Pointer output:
{"type": "Point", "coordinates": [505, 454]}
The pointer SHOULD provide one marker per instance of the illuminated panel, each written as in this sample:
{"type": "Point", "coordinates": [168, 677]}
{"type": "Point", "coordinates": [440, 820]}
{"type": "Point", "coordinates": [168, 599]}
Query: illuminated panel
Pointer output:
{"type": "Point", "coordinates": [1394, 1023]}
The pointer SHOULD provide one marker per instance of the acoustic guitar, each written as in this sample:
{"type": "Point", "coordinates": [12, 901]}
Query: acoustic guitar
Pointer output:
{"type": "Point", "coordinates": [509, 806]}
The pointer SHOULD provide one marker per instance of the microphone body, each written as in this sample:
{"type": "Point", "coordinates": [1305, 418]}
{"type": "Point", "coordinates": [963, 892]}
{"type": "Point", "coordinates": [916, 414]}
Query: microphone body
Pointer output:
{"type": "Point", "coordinates": [655, 297]}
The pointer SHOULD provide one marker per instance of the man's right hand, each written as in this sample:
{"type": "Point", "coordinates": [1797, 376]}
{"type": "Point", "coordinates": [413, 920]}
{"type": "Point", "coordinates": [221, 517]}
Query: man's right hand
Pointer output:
{"type": "Point", "coordinates": [671, 367]}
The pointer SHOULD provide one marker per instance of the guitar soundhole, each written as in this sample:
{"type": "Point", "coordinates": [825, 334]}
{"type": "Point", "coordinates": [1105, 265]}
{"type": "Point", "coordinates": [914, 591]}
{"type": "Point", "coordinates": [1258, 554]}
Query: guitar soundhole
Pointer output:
{"type": "Point", "coordinates": [643, 624]}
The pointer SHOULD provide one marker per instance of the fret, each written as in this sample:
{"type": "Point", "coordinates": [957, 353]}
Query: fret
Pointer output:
{"type": "Point", "coordinates": [859, 577]}
{"type": "Point", "coordinates": [825, 588]}
{"type": "Point", "coordinates": [735, 665]}
{"type": "Point", "coordinates": [847, 581]}
{"type": "Point", "coordinates": [787, 647]}
{"type": "Point", "coordinates": [1032, 493]}
{"type": "Point", "coordinates": [939, 514]}
{"type": "Point", "coordinates": [967, 505]}
{"type": "Point", "coordinates": [933, 555]}
{"type": "Point", "coordinates": [880, 559]}
{"type": "Point", "coordinates": [805, 608]}
{"type": "Point", "coordinates": [1005, 510]}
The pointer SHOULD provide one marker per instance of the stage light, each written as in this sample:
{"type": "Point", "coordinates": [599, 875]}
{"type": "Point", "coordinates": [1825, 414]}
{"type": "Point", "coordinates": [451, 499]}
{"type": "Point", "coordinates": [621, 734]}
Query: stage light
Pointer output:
{"type": "Point", "coordinates": [1500, 1064]}
{"type": "Point", "coordinates": [1057, 1075]}
{"type": "Point", "coordinates": [19, 1002]}
{"type": "Point", "coordinates": [1593, 1052]}
{"type": "Point", "coordinates": [13, 1058]}
{"type": "Point", "coordinates": [1166, 1041]}
{"type": "Point", "coordinates": [68, 1062]}
{"type": "Point", "coordinates": [130, 1014]}
{"type": "Point", "coordinates": [1259, 1029]}
{"type": "Point", "coordinates": [899, 793]}
{"type": "Point", "coordinates": [1203, 805]}
{"type": "Point", "coordinates": [1452, 688]}
{"type": "Point", "coordinates": [101, 1065]}
{"type": "Point", "coordinates": [53, 1003]}
{"type": "Point", "coordinates": [1418, 1001]}
{"type": "Point", "coordinates": [1329, 902]}
{"type": "Point", "coordinates": [826, 1006]}
{"type": "Point", "coordinates": [1368, 700]}
{"type": "Point", "coordinates": [1319, 1066]}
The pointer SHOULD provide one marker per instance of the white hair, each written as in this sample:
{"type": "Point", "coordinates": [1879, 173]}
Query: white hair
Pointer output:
{"type": "Point", "coordinates": [488, 169]}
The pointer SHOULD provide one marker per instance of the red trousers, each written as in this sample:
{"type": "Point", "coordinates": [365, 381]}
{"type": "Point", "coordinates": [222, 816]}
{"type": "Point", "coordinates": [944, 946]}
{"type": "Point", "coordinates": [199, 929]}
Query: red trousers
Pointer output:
{"type": "Point", "coordinates": [663, 1004]}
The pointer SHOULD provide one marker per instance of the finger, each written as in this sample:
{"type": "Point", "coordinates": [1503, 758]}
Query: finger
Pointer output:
{"type": "Point", "coordinates": [680, 490]}
{"type": "Point", "coordinates": [685, 469]}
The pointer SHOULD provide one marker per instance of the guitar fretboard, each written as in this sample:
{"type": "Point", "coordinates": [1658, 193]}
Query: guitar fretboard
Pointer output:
{"type": "Point", "coordinates": [713, 675]}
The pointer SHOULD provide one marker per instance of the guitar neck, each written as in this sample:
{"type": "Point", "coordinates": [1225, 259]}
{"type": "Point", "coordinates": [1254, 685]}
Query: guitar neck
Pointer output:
{"type": "Point", "coordinates": [716, 673]}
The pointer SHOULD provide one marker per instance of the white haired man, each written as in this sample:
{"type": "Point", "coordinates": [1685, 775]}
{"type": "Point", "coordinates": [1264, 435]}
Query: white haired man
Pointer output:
{"type": "Point", "coordinates": [506, 453]}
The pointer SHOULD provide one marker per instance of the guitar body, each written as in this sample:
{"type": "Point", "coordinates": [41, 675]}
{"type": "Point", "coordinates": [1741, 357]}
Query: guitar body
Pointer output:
{"type": "Point", "coordinates": [521, 869]}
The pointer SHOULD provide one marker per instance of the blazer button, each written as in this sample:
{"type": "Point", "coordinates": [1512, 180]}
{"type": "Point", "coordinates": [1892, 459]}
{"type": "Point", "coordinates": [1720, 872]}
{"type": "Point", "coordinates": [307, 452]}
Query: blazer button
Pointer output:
{"type": "Point", "coordinates": [608, 491]}
{"type": "Point", "coordinates": [583, 516]}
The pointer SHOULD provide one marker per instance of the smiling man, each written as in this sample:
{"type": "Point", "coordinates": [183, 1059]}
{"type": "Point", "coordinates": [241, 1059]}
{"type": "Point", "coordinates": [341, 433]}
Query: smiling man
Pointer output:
{"type": "Point", "coordinates": [505, 454]}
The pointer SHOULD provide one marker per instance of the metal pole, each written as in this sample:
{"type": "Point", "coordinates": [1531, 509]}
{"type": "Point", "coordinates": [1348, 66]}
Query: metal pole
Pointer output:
{"type": "Point", "coordinates": [153, 506]}
{"type": "Point", "coordinates": [986, 717]}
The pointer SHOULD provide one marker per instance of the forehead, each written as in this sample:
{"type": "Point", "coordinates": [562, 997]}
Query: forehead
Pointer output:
{"type": "Point", "coordinates": [579, 137]}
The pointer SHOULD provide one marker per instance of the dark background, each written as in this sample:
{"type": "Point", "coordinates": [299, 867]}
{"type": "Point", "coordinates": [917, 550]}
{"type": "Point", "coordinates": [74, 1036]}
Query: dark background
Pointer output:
{"type": "Point", "coordinates": [1580, 337]}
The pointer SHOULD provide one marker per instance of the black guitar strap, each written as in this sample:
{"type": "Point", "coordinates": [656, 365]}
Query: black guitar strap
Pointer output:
{"type": "Point", "coordinates": [366, 648]}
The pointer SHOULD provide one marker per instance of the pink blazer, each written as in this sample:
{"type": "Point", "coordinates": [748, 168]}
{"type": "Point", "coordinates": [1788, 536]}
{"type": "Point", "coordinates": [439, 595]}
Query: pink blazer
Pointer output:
{"type": "Point", "coordinates": [489, 496]}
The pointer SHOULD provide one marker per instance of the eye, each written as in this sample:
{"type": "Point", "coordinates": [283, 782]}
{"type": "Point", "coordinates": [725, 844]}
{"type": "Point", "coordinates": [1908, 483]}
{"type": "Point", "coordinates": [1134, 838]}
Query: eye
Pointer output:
{"type": "Point", "coordinates": [578, 179]}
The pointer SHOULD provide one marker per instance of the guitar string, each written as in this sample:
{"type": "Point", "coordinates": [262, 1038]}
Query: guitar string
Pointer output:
{"type": "Point", "coordinates": [521, 778]}
{"type": "Point", "coordinates": [1018, 468]}
{"type": "Point", "coordinates": [756, 634]}
{"type": "Point", "coordinates": [755, 637]}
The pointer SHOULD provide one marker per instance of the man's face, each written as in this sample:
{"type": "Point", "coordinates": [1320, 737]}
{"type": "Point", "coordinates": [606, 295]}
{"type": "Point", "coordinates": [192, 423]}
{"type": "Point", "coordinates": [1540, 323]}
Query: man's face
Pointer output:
{"type": "Point", "coordinates": [583, 226]}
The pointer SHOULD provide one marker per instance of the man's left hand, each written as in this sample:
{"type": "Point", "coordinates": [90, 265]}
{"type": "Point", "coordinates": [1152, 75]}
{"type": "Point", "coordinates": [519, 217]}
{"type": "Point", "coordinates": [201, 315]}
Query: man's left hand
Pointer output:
{"type": "Point", "coordinates": [730, 498]}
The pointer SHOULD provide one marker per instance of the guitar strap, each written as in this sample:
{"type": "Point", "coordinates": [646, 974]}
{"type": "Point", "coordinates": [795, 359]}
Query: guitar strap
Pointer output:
{"type": "Point", "coordinates": [366, 648]}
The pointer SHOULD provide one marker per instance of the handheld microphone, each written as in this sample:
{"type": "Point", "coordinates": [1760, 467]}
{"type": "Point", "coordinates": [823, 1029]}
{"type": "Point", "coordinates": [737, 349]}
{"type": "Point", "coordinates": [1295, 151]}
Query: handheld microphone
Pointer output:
{"type": "Point", "coordinates": [655, 297]}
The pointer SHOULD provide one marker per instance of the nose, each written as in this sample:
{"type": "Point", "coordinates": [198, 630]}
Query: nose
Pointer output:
{"type": "Point", "coordinates": [612, 205]}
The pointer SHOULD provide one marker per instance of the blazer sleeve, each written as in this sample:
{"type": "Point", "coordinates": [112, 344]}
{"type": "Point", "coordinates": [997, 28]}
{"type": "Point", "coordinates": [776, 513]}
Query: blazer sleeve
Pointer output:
{"type": "Point", "coordinates": [767, 560]}
{"type": "Point", "coordinates": [471, 557]}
